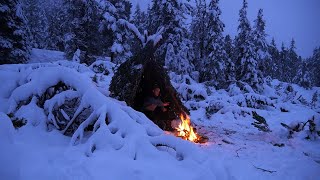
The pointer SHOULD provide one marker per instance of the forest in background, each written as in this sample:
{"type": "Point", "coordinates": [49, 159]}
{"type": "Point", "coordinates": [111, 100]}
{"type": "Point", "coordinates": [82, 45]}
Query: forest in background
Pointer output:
{"type": "Point", "coordinates": [95, 28]}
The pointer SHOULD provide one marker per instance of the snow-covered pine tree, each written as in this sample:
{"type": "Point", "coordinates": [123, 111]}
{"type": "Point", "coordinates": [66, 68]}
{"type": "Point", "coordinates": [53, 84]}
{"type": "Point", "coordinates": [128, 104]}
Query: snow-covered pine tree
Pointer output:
{"type": "Point", "coordinates": [303, 76]}
{"type": "Point", "coordinates": [184, 57]}
{"type": "Point", "coordinates": [230, 65]}
{"type": "Point", "coordinates": [170, 59]}
{"type": "Point", "coordinates": [314, 66]}
{"type": "Point", "coordinates": [34, 11]}
{"type": "Point", "coordinates": [83, 29]}
{"type": "Point", "coordinates": [273, 68]}
{"type": "Point", "coordinates": [289, 62]}
{"type": "Point", "coordinates": [198, 33]}
{"type": "Point", "coordinates": [246, 65]}
{"type": "Point", "coordinates": [261, 45]}
{"type": "Point", "coordinates": [155, 19]}
{"type": "Point", "coordinates": [139, 19]}
{"type": "Point", "coordinates": [293, 63]}
{"type": "Point", "coordinates": [58, 21]}
{"type": "Point", "coordinates": [283, 58]}
{"type": "Point", "coordinates": [215, 66]}
{"type": "Point", "coordinates": [114, 30]}
{"type": "Point", "coordinates": [169, 15]}
{"type": "Point", "coordinates": [229, 46]}
{"type": "Point", "coordinates": [14, 34]}
{"type": "Point", "coordinates": [48, 22]}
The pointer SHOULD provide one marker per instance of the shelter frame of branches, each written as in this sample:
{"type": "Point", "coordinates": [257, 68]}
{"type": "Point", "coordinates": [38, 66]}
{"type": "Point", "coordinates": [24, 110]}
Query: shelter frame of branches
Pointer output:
{"type": "Point", "coordinates": [134, 80]}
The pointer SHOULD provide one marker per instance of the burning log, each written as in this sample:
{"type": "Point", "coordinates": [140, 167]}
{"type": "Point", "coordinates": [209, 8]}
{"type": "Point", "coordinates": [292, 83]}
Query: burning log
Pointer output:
{"type": "Point", "coordinates": [185, 130]}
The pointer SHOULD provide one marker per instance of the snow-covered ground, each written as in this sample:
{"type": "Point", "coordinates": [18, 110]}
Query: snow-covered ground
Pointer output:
{"type": "Point", "coordinates": [42, 56]}
{"type": "Point", "coordinates": [131, 147]}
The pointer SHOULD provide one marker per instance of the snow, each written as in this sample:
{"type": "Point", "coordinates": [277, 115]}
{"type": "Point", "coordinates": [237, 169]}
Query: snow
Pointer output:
{"type": "Point", "coordinates": [32, 114]}
{"type": "Point", "coordinates": [76, 56]}
{"type": "Point", "coordinates": [9, 167]}
{"type": "Point", "coordinates": [41, 56]}
{"type": "Point", "coordinates": [130, 146]}
{"type": "Point", "coordinates": [5, 43]}
{"type": "Point", "coordinates": [155, 38]}
{"type": "Point", "coordinates": [117, 48]}
{"type": "Point", "coordinates": [4, 8]}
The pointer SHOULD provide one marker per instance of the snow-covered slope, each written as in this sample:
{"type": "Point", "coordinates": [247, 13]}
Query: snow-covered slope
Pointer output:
{"type": "Point", "coordinates": [121, 143]}
{"type": "Point", "coordinates": [43, 55]}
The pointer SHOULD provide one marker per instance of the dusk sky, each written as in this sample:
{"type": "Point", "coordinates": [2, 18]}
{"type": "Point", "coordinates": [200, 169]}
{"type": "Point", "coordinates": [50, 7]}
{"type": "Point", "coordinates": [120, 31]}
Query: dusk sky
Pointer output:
{"type": "Point", "coordinates": [285, 19]}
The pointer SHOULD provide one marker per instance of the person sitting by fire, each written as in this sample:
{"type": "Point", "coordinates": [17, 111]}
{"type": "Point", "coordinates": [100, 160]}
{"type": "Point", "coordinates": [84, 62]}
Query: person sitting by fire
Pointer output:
{"type": "Point", "coordinates": [155, 109]}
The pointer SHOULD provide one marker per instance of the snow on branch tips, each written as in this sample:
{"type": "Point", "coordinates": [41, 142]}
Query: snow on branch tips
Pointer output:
{"type": "Point", "coordinates": [143, 38]}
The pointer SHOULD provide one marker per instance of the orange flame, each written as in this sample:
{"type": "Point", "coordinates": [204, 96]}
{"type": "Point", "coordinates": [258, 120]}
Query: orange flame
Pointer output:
{"type": "Point", "coordinates": [185, 130]}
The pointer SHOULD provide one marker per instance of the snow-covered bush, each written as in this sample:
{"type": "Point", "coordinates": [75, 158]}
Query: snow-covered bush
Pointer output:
{"type": "Point", "coordinates": [103, 67]}
{"type": "Point", "coordinates": [260, 122]}
{"type": "Point", "coordinates": [295, 94]}
{"type": "Point", "coordinates": [253, 100]}
{"type": "Point", "coordinates": [188, 88]}
{"type": "Point", "coordinates": [213, 107]}
{"type": "Point", "coordinates": [310, 128]}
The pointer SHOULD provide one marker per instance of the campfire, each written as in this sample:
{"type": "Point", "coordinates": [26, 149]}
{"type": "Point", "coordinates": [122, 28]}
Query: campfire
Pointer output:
{"type": "Point", "coordinates": [185, 130]}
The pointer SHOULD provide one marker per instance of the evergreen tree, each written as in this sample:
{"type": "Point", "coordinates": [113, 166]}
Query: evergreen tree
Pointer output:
{"type": "Point", "coordinates": [246, 65]}
{"type": "Point", "coordinates": [83, 30]}
{"type": "Point", "coordinates": [289, 63]}
{"type": "Point", "coordinates": [114, 30]}
{"type": "Point", "coordinates": [155, 17]}
{"type": "Point", "coordinates": [261, 46]}
{"type": "Point", "coordinates": [313, 65]}
{"type": "Point", "coordinates": [303, 76]}
{"type": "Point", "coordinates": [199, 31]}
{"type": "Point", "coordinates": [139, 20]}
{"type": "Point", "coordinates": [37, 22]}
{"type": "Point", "coordinates": [169, 15]}
{"type": "Point", "coordinates": [229, 46]}
{"type": "Point", "coordinates": [283, 65]}
{"type": "Point", "coordinates": [293, 62]}
{"type": "Point", "coordinates": [58, 23]}
{"type": "Point", "coordinates": [170, 59]}
{"type": "Point", "coordinates": [273, 65]}
{"type": "Point", "coordinates": [208, 42]}
{"type": "Point", "coordinates": [230, 65]}
{"type": "Point", "coordinates": [14, 34]}
{"type": "Point", "coordinates": [215, 66]}
{"type": "Point", "coordinates": [48, 21]}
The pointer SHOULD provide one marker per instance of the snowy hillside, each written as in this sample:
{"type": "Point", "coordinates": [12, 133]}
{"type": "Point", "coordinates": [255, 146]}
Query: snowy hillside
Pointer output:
{"type": "Point", "coordinates": [42, 56]}
{"type": "Point", "coordinates": [67, 127]}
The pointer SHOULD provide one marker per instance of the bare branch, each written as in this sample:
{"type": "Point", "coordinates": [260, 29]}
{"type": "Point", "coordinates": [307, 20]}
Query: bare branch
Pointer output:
{"type": "Point", "coordinates": [264, 170]}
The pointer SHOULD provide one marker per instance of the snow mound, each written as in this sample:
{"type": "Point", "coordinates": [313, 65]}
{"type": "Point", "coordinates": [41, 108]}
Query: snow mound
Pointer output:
{"type": "Point", "coordinates": [8, 166]}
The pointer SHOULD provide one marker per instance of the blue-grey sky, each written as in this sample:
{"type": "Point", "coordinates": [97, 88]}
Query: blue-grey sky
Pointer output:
{"type": "Point", "coordinates": [285, 19]}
